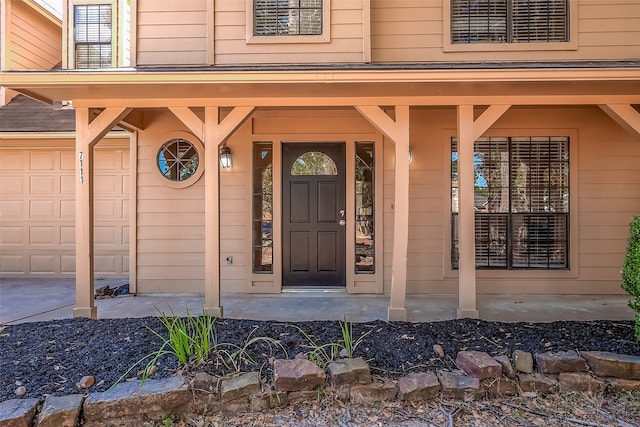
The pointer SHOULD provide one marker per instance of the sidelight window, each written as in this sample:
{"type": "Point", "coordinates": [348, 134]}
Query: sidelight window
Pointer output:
{"type": "Point", "coordinates": [365, 218]}
{"type": "Point", "coordinates": [521, 202]}
{"type": "Point", "coordinates": [262, 212]}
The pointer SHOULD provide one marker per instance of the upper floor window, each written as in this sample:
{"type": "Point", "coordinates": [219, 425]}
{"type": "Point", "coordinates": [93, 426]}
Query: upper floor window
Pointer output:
{"type": "Point", "coordinates": [93, 33]}
{"type": "Point", "coordinates": [288, 17]}
{"type": "Point", "coordinates": [509, 21]}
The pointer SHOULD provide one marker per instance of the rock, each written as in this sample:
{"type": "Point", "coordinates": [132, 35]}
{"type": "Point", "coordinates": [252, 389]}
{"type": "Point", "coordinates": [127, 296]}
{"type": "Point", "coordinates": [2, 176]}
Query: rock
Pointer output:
{"type": "Point", "coordinates": [21, 391]}
{"type": "Point", "coordinates": [458, 385]}
{"type": "Point", "coordinates": [523, 361]}
{"type": "Point", "coordinates": [86, 382]}
{"type": "Point", "coordinates": [561, 361]}
{"type": "Point", "coordinates": [297, 374]}
{"type": "Point", "coordinates": [365, 394]}
{"type": "Point", "coordinates": [418, 386]}
{"type": "Point", "coordinates": [502, 387]}
{"type": "Point", "coordinates": [619, 384]}
{"type": "Point", "coordinates": [605, 364]}
{"type": "Point", "coordinates": [60, 411]}
{"type": "Point", "coordinates": [204, 382]}
{"type": "Point", "coordinates": [537, 383]}
{"type": "Point", "coordinates": [268, 400]}
{"type": "Point", "coordinates": [349, 371]}
{"type": "Point", "coordinates": [239, 386]}
{"type": "Point", "coordinates": [133, 402]}
{"type": "Point", "coordinates": [18, 412]}
{"type": "Point", "coordinates": [580, 381]}
{"type": "Point", "coordinates": [478, 364]}
{"type": "Point", "coordinates": [437, 348]}
{"type": "Point", "coordinates": [507, 367]}
{"type": "Point", "coordinates": [303, 396]}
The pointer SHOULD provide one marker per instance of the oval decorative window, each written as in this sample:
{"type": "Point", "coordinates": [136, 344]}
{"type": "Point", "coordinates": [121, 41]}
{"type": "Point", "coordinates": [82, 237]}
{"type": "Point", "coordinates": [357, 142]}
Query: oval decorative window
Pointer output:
{"type": "Point", "coordinates": [178, 160]}
{"type": "Point", "coordinates": [314, 163]}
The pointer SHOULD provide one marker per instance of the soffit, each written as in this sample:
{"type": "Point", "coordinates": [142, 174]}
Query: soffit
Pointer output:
{"type": "Point", "coordinates": [328, 87]}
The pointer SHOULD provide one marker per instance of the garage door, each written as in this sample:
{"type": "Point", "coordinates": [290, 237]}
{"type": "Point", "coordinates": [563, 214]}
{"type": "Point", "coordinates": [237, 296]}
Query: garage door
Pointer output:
{"type": "Point", "coordinates": [37, 209]}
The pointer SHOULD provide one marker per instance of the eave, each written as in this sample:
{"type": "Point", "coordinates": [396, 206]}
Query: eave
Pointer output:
{"type": "Point", "coordinates": [331, 87]}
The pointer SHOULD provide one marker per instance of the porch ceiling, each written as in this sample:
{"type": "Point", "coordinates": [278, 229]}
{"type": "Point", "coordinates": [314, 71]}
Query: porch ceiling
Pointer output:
{"type": "Point", "coordinates": [133, 88]}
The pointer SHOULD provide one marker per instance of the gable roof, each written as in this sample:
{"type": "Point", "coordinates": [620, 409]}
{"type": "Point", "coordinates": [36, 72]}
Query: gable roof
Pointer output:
{"type": "Point", "coordinates": [24, 114]}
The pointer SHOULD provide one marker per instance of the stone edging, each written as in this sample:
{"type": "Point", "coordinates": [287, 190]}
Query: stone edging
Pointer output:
{"type": "Point", "coordinates": [298, 380]}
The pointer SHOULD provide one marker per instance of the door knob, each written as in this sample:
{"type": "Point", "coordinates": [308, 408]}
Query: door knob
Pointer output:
{"type": "Point", "coordinates": [342, 223]}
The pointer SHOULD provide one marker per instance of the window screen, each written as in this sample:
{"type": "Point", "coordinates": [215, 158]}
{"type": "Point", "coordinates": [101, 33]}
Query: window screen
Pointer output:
{"type": "Point", "coordinates": [93, 27]}
{"type": "Point", "coordinates": [287, 17]}
{"type": "Point", "coordinates": [509, 21]}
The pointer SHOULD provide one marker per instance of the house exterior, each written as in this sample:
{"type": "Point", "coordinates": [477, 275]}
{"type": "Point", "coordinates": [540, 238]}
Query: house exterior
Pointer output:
{"type": "Point", "coordinates": [376, 146]}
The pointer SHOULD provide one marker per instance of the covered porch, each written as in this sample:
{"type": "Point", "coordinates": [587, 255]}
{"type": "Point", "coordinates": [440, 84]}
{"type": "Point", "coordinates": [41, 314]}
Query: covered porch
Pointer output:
{"type": "Point", "coordinates": [213, 105]}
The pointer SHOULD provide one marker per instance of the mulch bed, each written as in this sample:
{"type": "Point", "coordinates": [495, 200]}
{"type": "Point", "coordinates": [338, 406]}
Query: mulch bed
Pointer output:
{"type": "Point", "coordinates": [51, 357]}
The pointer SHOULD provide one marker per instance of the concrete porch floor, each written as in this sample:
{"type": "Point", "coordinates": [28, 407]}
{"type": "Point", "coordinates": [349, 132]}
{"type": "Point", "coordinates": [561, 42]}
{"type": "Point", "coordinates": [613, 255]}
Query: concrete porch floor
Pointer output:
{"type": "Point", "coordinates": [31, 300]}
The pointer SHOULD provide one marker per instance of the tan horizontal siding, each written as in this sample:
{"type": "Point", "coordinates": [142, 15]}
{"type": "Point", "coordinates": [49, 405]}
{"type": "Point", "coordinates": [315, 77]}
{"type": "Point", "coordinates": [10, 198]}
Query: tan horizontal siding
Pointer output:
{"type": "Point", "coordinates": [410, 31]}
{"type": "Point", "coordinates": [171, 33]}
{"type": "Point", "coordinates": [35, 43]}
{"type": "Point", "coordinates": [345, 45]}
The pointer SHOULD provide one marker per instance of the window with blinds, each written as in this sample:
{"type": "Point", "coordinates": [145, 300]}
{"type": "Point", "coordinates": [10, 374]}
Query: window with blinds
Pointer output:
{"type": "Point", "coordinates": [287, 17]}
{"type": "Point", "coordinates": [509, 21]}
{"type": "Point", "coordinates": [521, 202]}
{"type": "Point", "coordinates": [92, 39]}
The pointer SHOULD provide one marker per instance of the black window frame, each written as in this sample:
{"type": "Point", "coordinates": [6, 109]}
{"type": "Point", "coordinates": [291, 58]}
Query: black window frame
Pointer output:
{"type": "Point", "coordinates": [543, 233]}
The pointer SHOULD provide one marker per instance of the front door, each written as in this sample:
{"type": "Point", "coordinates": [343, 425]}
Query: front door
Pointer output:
{"type": "Point", "coordinates": [313, 214]}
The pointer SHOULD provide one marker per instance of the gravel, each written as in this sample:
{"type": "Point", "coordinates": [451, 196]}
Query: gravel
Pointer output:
{"type": "Point", "coordinates": [51, 357]}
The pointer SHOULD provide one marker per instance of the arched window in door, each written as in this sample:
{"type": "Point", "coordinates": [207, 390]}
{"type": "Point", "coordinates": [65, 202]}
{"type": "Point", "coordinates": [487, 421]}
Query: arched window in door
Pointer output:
{"type": "Point", "coordinates": [314, 163]}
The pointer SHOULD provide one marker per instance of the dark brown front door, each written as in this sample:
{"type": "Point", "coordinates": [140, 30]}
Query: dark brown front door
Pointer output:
{"type": "Point", "coordinates": [313, 197]}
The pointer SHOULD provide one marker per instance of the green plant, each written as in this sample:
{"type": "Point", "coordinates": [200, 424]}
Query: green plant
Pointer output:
{"type": "Point", "coordinates": [631, 271]}
{"type": "Point", "coordinates": [323, 354]}
{"type": "Point", "coordinates": [347, 337]}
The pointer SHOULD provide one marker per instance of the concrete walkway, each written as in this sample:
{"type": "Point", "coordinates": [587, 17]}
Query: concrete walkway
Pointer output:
{"type": "Point", "coordinates": [30, 300]}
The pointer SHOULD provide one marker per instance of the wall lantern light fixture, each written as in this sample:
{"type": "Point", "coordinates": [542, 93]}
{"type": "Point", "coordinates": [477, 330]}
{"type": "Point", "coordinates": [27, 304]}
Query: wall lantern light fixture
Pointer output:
{"type": "Point", "coordinates": [225, 157]}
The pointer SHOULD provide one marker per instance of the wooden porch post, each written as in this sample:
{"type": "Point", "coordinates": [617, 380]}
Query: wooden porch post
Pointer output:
{"type": "Point", "coordinates": [85, 305]}
{"type": "Point", "coordinates": [466, 218]}
{"type": "Point", "coordinates": [216, 131]}
{"type": "Point", "coordinates": [87, 135]}
{"type": "Point", "coordinates": [398, 132]}
{"type": "Point", "coordinates": [468, 131]}
{"type": "Point", "coordinates": [212, 303]}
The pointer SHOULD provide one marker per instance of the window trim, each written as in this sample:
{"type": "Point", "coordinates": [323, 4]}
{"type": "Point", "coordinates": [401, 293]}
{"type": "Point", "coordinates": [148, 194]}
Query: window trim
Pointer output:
{"type": "Point", "coordinates": [572, 44]}
{"type": "Point", "coordinates": [70, 45]}
{"type": "Point", "coordinates": [516, 274]}
{"type": "Point", "coordinates": [199, 148]}
{"type": "Point", "coordinates": [325, 37]}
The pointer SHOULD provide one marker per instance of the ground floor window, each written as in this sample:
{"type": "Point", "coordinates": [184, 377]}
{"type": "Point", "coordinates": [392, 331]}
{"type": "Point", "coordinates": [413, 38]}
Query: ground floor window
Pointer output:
{"type": "Point", "coordinates": [262, 212]}
{"type": "Point", "coordinates": [521, 202]}
{"type": "Point", "coordinates": [365, 219]}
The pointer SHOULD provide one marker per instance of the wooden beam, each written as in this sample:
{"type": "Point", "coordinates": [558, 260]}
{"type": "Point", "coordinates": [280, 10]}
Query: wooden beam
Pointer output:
{"type": "Point", "coordinates": [625, 115]}
{"type": "Point", "coordinates": [381, 120]}
{"type": "Point", "coordinates": [398, 132]}
{"type": "Point", "coordinates": [487, 119]}
{"type": "Point", "coordinates": [85, 305]}
{"type": "Point", "coordinates": [134, 121]}
{"type": "Point", "coordinates": [233, 121]}
{"type": "Point", "coordinates": [190, 120]}
{"type": "Point", "coordinates": [104, 122]}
